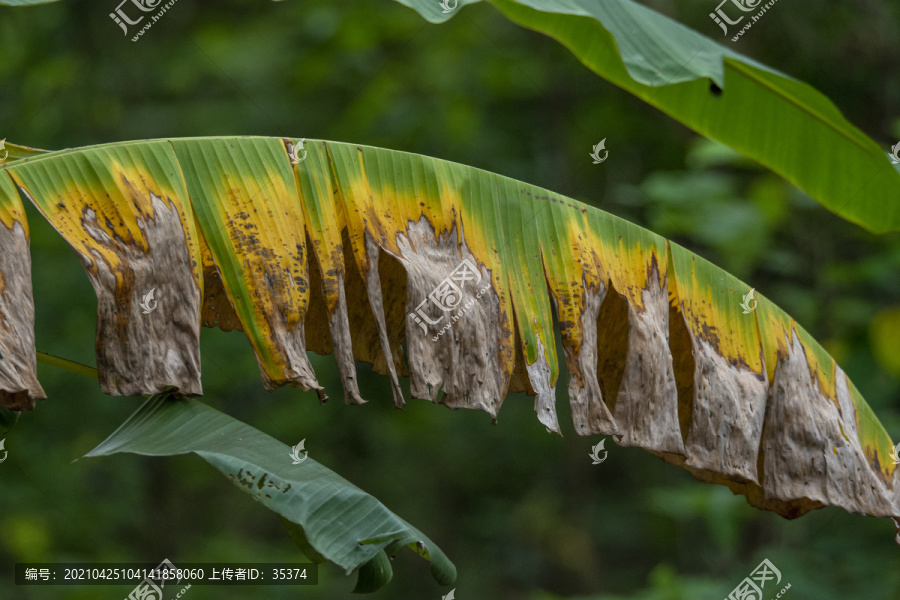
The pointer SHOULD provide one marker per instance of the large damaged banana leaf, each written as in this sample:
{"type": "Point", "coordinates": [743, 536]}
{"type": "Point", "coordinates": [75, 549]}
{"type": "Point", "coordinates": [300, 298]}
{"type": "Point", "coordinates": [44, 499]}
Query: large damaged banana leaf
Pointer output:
{"type": "Point", "coordinates": [451, 276]}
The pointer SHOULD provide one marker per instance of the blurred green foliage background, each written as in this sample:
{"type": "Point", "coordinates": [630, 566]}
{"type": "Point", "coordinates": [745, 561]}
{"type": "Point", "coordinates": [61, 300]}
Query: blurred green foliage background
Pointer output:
{"type": "Point", "coordinates": [523, 514]}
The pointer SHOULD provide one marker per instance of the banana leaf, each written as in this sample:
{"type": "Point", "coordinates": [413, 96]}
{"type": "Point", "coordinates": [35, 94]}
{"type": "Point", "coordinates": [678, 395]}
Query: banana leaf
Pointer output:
{"type": "Point", "coordinates": [334, 519]}
{"type": "Point", "coordinates": [778, 121]}
{"type": "Point", "coordinates": [452, 276]}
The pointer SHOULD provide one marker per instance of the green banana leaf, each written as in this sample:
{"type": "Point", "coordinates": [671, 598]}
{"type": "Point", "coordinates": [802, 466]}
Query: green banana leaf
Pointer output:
{"type": "Point", "coordinates": [772, 118]}
{"type": "Point", "coordinates": [447, 274]}
{"type": "Point", "coordinates": [335, 520]}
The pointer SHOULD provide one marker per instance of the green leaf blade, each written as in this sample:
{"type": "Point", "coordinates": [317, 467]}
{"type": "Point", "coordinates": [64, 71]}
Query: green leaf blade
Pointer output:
{"type": "Point", "coordinates": [335, 516]}
{"type": "Point", "coordinates": [767, 116]}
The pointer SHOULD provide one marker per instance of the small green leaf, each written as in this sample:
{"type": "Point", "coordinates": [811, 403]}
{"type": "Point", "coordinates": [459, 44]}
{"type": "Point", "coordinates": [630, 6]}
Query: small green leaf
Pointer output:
{"type": "Point", "coordinates": [331, 514]}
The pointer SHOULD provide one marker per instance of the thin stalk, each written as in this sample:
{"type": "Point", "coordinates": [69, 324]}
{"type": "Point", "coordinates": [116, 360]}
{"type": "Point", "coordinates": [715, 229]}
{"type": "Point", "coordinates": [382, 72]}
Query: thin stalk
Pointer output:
{"type": "Point", "coordinates": [67, 365]}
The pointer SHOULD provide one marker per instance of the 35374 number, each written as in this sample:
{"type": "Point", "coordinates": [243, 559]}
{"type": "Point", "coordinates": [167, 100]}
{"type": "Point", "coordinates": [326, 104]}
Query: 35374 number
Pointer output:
{"type": "Point", "coordinates": [288, 574]}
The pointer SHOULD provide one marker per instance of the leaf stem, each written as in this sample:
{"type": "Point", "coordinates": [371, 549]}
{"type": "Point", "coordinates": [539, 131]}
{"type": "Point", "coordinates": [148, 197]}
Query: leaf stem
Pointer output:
{"type": "Point", "coordinates": [67, 365]}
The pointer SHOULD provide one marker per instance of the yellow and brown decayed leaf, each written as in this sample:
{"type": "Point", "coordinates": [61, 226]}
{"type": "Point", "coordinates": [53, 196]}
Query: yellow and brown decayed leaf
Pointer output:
{"type": "Point", "coordinates": [19, 386]}
{"type": "Point", "coordinates": [451, 276]}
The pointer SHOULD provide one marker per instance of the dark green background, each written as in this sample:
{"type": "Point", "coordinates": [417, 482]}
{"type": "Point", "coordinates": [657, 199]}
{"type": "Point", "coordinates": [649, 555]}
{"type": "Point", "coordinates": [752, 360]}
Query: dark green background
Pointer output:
{"type": "Point", "coordinates": [523, 514]}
